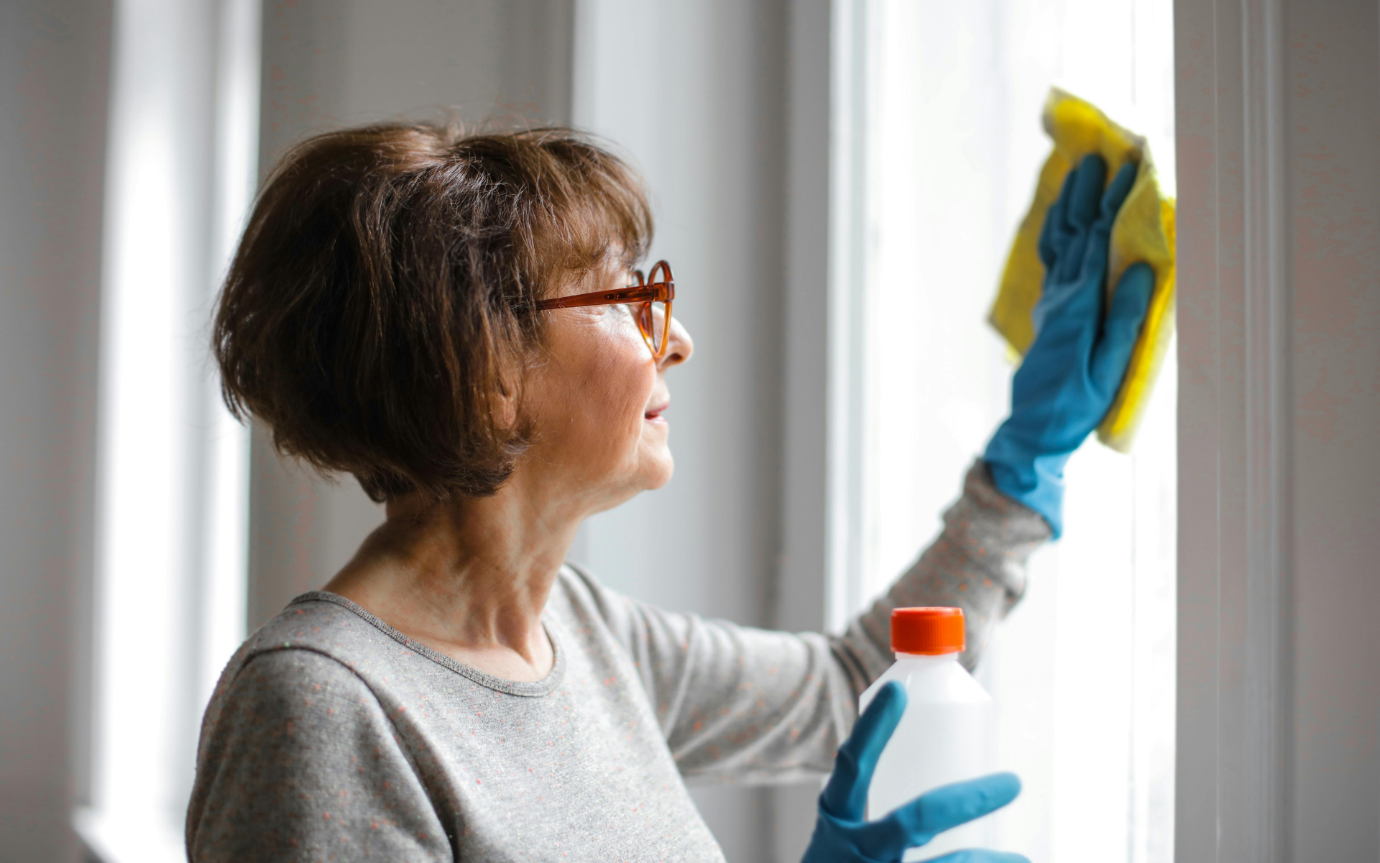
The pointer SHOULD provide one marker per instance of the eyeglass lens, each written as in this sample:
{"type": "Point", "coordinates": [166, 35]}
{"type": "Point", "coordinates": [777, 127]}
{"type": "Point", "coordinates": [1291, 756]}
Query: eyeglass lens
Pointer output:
{"type": "Point", "coordinates": [652, 318]}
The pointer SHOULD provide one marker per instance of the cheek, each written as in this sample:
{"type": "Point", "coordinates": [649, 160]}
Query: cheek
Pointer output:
{"type": "Point", "coordinates": [598, 390]}
{"type": "Point", "coordinates": [621, 385]}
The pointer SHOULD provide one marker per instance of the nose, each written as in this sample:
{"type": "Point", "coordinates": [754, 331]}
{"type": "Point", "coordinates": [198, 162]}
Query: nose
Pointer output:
{"type": "Point", "coordinates": [679, 346]}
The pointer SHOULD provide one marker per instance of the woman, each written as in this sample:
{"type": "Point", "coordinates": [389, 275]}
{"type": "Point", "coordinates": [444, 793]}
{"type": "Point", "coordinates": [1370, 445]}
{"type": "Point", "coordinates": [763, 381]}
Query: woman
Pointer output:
{"type": "Point", "coordinates": [449, 318]}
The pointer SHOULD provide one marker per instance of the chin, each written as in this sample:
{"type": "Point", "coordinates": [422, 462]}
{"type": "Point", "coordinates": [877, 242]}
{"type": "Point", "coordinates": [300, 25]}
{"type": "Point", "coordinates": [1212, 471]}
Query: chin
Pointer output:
{"type": "Point", "coordinates": [660, 471]}
{"type": "Point", "coordinates": [651, 474]}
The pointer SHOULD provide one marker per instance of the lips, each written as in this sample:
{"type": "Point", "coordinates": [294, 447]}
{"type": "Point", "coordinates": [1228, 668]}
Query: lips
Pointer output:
{"type": "Point", "coordinates": [655, 413]}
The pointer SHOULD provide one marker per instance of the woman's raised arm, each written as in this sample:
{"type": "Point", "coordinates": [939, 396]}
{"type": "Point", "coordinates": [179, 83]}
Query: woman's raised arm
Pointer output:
{"type": "Point", "coordinates": [751, 705]}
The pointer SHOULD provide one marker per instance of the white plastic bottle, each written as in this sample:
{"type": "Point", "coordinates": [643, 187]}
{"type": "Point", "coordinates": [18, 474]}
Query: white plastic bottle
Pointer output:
{"type": "Point", "coordinates": [945, 734]}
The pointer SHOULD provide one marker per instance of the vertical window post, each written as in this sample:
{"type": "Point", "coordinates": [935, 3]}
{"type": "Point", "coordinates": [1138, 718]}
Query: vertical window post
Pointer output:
{"type": "Point", "coordinates": [172, 465]}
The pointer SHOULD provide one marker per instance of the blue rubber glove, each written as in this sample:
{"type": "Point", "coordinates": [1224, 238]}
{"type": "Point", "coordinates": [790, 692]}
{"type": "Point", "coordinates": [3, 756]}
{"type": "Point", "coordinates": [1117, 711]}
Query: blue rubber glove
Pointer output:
{"type": "Point", "coordinates": [1075, 365]}
{"type": "Point", "coordinates": [841, 834]}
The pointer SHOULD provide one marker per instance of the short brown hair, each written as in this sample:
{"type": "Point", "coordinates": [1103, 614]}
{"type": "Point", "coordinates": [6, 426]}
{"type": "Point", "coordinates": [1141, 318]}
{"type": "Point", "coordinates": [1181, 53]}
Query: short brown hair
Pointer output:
{"type": "Point", "coordinates": [383, 295]}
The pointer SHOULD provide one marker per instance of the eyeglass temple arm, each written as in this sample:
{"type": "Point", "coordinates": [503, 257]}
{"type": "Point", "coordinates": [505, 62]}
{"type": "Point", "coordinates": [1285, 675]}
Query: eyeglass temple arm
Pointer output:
{"type": "Point", "coordinates": [664, 291]}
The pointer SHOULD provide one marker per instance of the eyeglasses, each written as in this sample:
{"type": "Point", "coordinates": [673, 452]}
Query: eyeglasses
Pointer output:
{"type": "Point", "coordinates": [653, 299]}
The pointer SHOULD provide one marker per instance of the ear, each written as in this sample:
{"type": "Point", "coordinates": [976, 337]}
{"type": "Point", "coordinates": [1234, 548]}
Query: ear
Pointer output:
{"type": "Point", "coordinates": [514, 378]}
{"type": "Point", "coordinates": [505, 406]}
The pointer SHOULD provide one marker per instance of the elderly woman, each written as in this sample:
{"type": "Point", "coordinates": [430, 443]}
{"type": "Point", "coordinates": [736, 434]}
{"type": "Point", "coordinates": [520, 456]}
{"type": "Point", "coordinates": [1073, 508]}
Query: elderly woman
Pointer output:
{"type": "Point", "coordinates": [456, 321]}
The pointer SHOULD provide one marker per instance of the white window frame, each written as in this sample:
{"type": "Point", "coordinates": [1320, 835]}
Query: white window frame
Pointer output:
{"type": "Point", "coordinates": [173, 466]}
{"type": "Point", "coordinates": [1235, 496]}
{"type": "Point", "coordinates": [1233, 676]}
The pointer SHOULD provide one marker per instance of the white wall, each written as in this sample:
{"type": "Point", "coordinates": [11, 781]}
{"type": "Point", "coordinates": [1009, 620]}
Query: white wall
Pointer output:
{"type": "Point", "coordinates": [53, 88]}
{"type": "Point", "coordinates": [695, 93]}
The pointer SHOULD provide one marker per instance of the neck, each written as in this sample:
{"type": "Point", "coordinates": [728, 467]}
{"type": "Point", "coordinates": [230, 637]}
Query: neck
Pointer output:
{"type": "Point", "coordinates": [469, 577]}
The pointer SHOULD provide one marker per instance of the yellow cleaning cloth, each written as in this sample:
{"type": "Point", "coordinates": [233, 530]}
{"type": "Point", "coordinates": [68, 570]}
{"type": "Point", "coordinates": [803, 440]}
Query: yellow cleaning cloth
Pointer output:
{"type": "Point", "coordinates": [1143, 231]}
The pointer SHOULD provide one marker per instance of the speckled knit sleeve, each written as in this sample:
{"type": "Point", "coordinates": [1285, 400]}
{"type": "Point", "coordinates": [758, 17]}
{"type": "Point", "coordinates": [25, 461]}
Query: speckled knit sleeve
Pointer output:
{"type": "Point", "coordinates": [978, 563]}
{"type": "Point", "coordinates": [299, 763]}
{"type": "Point", "coordinates": [748, 705]}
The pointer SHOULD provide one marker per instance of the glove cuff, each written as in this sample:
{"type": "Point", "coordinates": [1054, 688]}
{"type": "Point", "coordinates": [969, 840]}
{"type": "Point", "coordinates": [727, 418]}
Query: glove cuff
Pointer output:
{"type": "Point", "coordinates": [1035, 481]}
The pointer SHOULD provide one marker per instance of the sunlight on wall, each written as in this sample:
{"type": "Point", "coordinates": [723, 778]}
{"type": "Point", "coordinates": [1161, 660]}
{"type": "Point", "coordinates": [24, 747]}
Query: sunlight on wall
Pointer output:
{"type": "Point", "coordinates": [1083, 669]}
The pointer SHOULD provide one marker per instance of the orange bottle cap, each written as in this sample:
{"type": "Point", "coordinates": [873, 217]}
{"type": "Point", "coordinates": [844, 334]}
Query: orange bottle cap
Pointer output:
{"type": "Point", "coordinates": [927, 630]}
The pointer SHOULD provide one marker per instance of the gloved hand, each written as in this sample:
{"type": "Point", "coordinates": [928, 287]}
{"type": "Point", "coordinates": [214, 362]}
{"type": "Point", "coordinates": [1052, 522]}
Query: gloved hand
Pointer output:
{"type": "Point", "coordinates": [842, 836]}
{"type": "Point", "coordinates": [1074, 366]}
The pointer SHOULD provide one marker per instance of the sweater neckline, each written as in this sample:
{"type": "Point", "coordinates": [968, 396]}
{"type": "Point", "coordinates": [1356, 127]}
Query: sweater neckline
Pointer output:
{"type": "Point", "coordinates": [527, 689]}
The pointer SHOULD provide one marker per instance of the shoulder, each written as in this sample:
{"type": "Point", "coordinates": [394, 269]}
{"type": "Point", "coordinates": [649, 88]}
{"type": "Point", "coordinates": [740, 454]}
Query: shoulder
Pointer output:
{"type": "Point", "coordinates": [295, 680]}
{"type": "Point", "coordinates": [605, 620]}
{"type": "Point", "coordinates": [293, 736]}
{"type": "Point", "coordinates": [308, 659]}
{"type": "Point", "coordinates": [317, 621]}
{"type": "Point", "coordinates": [640, 630]}
{"type": "Point", "coordinates": [332, 627]}
{"type": "Point", "coordinates": [300, 692]}
{"type": "Point", "coordinates": [581, 600]}
{"type": "Point", "coordinates": [577, 585]}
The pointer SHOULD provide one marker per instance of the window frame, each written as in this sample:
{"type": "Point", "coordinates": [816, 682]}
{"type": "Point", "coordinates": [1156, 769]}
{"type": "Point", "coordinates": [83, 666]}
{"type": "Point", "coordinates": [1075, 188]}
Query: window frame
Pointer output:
{"type": "Point", "coordinates": [1232, 668]}
{"type": "Point", "coordinates": [1235, 498]}
{"type": "Point", "coordinates": [169, 603]}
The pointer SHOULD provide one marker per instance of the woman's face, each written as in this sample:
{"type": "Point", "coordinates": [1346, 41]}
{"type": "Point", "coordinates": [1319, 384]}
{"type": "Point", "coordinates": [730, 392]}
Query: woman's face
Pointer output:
{"type": "Point", "coordinates": [597, 401]}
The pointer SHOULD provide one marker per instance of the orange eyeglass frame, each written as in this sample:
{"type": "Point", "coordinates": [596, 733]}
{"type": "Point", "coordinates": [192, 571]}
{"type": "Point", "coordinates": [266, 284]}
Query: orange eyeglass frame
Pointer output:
{"type": "Point", "coordinates": [658, 290]}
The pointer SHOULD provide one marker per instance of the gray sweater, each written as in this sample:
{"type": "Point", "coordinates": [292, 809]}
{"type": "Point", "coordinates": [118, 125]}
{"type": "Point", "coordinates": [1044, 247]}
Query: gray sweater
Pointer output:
{"type": "Point", "coordinates": [332, 736]}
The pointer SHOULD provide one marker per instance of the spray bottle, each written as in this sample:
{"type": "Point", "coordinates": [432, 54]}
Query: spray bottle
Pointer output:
{"type": "Point", "coordinates": [946, 733]}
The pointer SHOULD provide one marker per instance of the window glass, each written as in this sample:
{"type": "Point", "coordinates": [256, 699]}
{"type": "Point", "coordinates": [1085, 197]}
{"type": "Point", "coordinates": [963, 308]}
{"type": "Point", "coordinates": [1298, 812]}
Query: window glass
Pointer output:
{"type": "Point", "coordinates": [1083, 669]}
